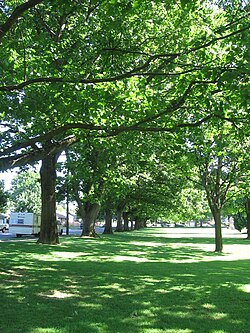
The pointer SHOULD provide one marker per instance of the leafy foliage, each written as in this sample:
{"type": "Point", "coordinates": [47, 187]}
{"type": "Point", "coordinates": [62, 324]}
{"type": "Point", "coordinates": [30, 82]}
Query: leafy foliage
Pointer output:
{"type": "Point", "coordinates": [85, 71]}
{"type": "Point", "coordinates": [25, 193]}
{"type": "Point", "coordinates": [3, 197]}
{"type": "Point", "coordinates": [239, 221]}
{"type": "Point", "coordinates": [67, 70]}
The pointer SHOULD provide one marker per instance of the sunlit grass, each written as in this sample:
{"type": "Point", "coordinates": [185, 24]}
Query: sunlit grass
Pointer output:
{"type": "Point", "coordinates": [141, 282]}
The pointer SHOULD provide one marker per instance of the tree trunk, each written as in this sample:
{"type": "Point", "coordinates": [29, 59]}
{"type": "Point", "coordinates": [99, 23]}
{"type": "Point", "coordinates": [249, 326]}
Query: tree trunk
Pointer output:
{"type": "Point", "coordinates": [216, 196]}
{"type": "Point", "coordinates": [125, 219]}
{"type": "Point", "coordinates": [132, 225]}
{"type": "Point", "coordinates": [108, 222]}
{"type": "Point", "coordinates": [218, 234]}
{"type": "Point", "coordinates": [119, 226]}
{"type": "Point", "coordinates": [48, 233]}
{"type": "Point", "coordinates": [247, 206]}
{"type": "Point", "coordinates": [138, 223]}
{"type": "Point", "coordinates": [67, 212]}
{"type": "Point", "coordinates": [91, 212]}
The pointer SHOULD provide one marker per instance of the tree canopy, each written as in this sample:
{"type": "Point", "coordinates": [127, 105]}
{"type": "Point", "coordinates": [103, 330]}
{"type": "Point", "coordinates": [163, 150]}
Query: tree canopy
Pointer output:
{"type": "Point", "coordinates": [68, 71]}
{"type": "Point", "coordinates": [69, 74]}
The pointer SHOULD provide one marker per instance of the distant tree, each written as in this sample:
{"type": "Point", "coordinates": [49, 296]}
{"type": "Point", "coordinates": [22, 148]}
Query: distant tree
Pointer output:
{"type": "Point", "coordinates": [239, 221]}
{"type": "Point", "coordinates": [3, 197]}
{"type": "Point", "coordinates": [217, 156]}
{"type": "Point", "coordinates": [25, 193]}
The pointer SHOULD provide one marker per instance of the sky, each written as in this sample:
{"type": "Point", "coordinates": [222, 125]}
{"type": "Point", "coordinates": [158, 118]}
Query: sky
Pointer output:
{"type": "Point", "coordinates": [7, 177]}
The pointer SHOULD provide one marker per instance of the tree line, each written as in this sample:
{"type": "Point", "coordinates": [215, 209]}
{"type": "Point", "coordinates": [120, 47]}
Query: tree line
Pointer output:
{"type": "Point", "coordinates": [83, 75]}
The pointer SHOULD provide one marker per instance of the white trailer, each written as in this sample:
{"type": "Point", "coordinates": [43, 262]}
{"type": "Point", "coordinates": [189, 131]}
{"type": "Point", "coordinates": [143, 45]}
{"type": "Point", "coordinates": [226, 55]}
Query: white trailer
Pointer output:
{"type": "Point", "coordinates": [24, 224]}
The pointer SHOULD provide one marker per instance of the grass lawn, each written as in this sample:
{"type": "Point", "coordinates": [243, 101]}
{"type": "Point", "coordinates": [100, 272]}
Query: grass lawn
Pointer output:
{"type": "Point", "coordinates": [152, 281]}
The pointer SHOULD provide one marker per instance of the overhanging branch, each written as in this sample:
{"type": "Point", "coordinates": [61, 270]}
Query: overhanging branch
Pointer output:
{"type": "Point", "coordinates": [40, 139]}
{"type": "Point", "coordinates": [4, 28]}
{"type": "Point", "coordinates": [173, 106]}
{"type": "Point", "coordinates": [36, 155]}
{"type": "Point", "coordinates": [137, 71]}
{"type": "Point", "coordinates": [39, 153]}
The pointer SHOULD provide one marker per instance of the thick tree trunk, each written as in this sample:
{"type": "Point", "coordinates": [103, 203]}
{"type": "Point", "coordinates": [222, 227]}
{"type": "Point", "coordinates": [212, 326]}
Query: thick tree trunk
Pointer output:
{"type": "Point", "coordinates": [125, 219]}
{"type": "Point", "coordinates": [89, 220]}
{"type": "Point", "coordinates": [48, 233]}
{"type": "Point", "coordinates": [108, 222]}
{"type": "Point", "coordinates": [119, 226]}
{"type": "Point", "coordinates": [218, 234]}
{"type": "Point", "coordinates": [247, 206]}
{"type": "Point", "coordinates": [139, 224]}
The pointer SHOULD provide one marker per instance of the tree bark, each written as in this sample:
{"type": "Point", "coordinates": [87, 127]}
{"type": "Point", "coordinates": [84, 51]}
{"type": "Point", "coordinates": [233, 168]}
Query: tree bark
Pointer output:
{"type": "Point", "coordinates": [247, 206]}
{"type": "Point", "coordinates": [125, 219]}
{"type": "Point", "coordinates": [132, 225]}
{"type": "Point", "coordinates": [120, 208]}
{"type": "Point", "coordinates": [108, 222]}
{"type": "Point", "coordinates": [48, 233]}
{"type": "Point", "coordinates": [89, 220]}
{"type": "Point", "coordinates": [218, 234]}
{"type": "Point", "coordinates": [139, 223]}
{"type": "Point", "coordinates": [119, 226]}
{"type": "Point", "coordinates": [216, 197]}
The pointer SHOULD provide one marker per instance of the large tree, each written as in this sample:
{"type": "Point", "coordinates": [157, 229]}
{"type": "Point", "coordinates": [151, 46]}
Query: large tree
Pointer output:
{"type": "Point", "coordinates": [69, 72]}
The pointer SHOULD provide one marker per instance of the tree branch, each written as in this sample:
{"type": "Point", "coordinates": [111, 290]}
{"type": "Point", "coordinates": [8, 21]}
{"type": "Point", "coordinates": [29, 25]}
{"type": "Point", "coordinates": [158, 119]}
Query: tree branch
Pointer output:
{"type": "Point", "coordinates": [41, 139]}
{"type": "Point", "coordinates": [36, 155]}
{"type": "Point", "coordinates": [136, 128]}
{"type": "Point", "coordinates": [24, 84]}
{"type": "Point", "coordinates": [29, 157]}
{"type": "Point", "coordinates": [134, 72]}
{"type": "Point", "coordinates": [174, 105]}
{"type": "Point", "coordinates": [4, 28]}
{"type": "Point", "coordinates": [187, 51]}
{"type": "Point", "coordinates": [48, 136]}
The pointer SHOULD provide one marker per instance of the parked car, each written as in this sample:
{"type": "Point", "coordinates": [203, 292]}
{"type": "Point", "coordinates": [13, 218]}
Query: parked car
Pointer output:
{"type": "Point", "coordinates": [4, 225]}
{"type": "Point", "coordinates": [165, 225]}
{"type": "Point", "coordinates": [179, 225]}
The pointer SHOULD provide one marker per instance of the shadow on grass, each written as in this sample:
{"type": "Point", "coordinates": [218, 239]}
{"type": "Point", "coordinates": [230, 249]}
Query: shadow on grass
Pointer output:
{"type": "Point", "coordinates": [132, 282]}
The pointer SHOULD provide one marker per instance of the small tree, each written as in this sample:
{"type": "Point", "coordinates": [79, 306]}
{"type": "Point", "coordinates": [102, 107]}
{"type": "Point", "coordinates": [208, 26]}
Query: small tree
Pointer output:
{"type": "Point", "coordinates": [25, 193]}
{"type": "Point", "coordinates": [3, 197]}
{"type": "Point", "coordinates": [216, 157]}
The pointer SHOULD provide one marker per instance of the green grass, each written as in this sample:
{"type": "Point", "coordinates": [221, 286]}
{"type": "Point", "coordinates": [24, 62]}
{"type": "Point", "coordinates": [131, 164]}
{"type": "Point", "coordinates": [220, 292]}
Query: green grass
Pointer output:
{"type": "Point", "coordinates": [140, 282]}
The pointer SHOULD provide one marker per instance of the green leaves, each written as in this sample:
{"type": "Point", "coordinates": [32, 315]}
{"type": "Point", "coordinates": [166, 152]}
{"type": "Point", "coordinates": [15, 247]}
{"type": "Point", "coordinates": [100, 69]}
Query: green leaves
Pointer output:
{"type": "Point", "coordinates": [3, 197]}
{"type": "Point", "coordinates": [155, 65]}
{"type": "Point", "coordinates": [25, 193]}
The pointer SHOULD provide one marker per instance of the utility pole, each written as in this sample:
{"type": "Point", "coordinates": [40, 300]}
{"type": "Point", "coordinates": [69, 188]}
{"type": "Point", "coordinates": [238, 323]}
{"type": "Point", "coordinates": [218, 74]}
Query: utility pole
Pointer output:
{"type": "Point", "coordinates": [67, 211]}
